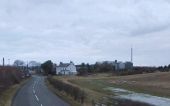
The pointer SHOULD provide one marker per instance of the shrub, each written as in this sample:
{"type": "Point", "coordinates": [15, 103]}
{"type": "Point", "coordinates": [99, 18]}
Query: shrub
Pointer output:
{"type": "Point", "coordinates": [75, 92]}
{"type": "Point", "coordinates": [9, 76]}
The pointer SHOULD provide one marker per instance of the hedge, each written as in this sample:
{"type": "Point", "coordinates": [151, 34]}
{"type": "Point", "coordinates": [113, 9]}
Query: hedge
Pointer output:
{"type": "Point", "coordinates": [73, 91]}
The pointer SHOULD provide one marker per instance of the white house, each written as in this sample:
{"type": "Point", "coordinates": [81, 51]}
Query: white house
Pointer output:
{"type": "Point", "coordinates": [66, 69]}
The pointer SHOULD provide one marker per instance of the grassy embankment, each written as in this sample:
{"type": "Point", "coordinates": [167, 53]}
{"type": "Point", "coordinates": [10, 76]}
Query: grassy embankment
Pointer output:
{"type": "Point", "coordinates": [157, 84]}
{"type": "Point", "coordinates": [8, 94]}
{"type": "Point", "coordinates": [10, 80]}
{"type": "Point", "coordinates": [62, 95]}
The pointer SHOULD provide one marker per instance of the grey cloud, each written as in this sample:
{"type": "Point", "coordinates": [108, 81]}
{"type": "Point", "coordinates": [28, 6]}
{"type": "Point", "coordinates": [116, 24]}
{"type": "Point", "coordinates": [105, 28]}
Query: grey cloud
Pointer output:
{"type": "Point", "coordinates": [85, 30]}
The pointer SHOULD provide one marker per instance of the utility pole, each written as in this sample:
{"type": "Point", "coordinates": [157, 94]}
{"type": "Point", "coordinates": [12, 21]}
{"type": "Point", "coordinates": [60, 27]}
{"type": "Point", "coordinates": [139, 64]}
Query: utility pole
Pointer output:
{"type": "Point", "coordinates": [3, 62]}
{"type": "Point", "coordinates": [27, 65]}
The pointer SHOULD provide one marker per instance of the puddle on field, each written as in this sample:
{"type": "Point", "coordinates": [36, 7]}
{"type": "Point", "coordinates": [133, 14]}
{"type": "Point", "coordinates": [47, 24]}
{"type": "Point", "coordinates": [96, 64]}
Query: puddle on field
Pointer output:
{"type": "Point", "coordinates": [140, 97]}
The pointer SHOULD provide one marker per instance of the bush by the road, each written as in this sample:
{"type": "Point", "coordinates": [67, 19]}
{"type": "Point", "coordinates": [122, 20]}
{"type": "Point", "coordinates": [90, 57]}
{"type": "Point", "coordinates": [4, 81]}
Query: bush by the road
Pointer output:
{"type": "Point", "coordinates": [8, 77]}
{"type": "Point", "coordinates": [75, 92]}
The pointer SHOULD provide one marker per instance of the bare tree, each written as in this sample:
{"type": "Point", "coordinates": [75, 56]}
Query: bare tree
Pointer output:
{"type": "Point", "coordinates": [18, 63]}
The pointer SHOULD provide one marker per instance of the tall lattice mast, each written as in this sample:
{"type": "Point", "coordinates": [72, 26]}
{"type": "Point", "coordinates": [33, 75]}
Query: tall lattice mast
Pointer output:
{"type": "Point", "coordinates": [131, 54]}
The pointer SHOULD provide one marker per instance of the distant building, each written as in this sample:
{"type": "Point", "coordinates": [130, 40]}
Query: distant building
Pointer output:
{"type": "Point", "coordinates": [119, 65]}
{"type": "Point", "coordinates": [66, 69]}
{"type": "Point", "coordinates": [129, 65]}
{"type": "Point", "coordinates": [108, 62]}
{"type": "Point", "coordinates": [123, 65]}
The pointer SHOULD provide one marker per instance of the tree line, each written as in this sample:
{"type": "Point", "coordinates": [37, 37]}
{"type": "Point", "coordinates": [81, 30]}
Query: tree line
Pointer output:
{"type": "Point", "coordinates": [105, 67]}
{"type": "Point", "coordinates": [85, 69]}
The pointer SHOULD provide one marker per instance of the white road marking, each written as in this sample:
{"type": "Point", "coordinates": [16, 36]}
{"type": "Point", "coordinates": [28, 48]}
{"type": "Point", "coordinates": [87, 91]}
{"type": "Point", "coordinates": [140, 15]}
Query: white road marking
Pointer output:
{"type": "Point", "coordinates": [35, 83]}
{"type": "Point", "coordinates": [37, 98]}
{"type": "Point", "coordinates": [33, 88]}
{"type": "Point", "coordinates": [33, 91]}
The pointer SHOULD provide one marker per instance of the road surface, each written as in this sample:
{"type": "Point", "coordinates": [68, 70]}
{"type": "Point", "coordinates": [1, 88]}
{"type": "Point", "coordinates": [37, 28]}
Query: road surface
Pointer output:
{"type": "Point", "coordinates": [35, 93]}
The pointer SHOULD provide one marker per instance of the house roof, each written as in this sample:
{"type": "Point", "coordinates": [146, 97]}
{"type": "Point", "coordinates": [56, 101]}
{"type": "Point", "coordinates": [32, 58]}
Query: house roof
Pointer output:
{"type": "Point", "coordinates": [64, 65]}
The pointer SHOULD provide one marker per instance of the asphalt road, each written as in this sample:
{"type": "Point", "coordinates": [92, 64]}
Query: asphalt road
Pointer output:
{"type": "Point", "coordinates": [35, 93]}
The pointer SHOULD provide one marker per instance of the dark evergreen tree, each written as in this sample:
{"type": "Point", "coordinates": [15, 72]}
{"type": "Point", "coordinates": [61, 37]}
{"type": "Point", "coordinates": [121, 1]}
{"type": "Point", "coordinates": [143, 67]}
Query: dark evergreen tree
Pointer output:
{"type": "Point", "coordinates": [47, 67]}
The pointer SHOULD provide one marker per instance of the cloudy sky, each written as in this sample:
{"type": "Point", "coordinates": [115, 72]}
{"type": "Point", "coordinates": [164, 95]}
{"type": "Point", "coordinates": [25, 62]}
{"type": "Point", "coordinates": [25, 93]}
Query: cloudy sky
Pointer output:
{"type": "Point", "coordinates": [86, 30]}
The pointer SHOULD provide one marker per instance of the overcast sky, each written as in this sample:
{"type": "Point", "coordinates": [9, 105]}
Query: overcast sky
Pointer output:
{"type": "Point", "coordinates": [85, 30]}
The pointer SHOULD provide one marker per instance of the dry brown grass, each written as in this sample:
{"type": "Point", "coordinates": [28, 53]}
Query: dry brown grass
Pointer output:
{"type": "Point", "coordinates": [151, 83]}
{"type": "Point", "coordinates": [8, 94]}
{"type": "Point", "coordinates": [10, 79]}
{"type": "Point", "coordinates": [155, 83]}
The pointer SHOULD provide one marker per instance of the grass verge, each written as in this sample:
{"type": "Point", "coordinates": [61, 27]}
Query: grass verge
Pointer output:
{"type": "Point", "coordinates": [7, 96]}
{"type": "Point", "coordinates": [62, 95]}
{"type": "Point", "coordinates": [156, 84]}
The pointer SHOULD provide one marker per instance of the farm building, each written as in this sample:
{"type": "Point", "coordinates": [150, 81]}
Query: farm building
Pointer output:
{"type": "Point", "coordinates": [66, 69]}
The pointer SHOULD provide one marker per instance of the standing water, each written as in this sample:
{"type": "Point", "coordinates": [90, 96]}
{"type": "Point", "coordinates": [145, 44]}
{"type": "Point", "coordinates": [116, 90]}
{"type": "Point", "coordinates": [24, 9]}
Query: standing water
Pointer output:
{"type": "Point", "coordinates": [141, 97]}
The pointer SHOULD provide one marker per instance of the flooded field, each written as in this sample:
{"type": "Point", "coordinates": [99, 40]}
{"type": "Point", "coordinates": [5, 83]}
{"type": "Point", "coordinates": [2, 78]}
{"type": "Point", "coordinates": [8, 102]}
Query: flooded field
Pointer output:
{"type": "Point", "coordinates": [112, 101]}
{"type": "Point", "coordinates": [123, 94]}
{"type": "Point", "coordinates": [108, 90]}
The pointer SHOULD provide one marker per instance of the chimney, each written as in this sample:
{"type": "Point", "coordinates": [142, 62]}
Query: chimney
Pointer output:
{"type": "Point", "coordinates": [115, 61]}
{"type": "Point", "coordinates": [61, 63]}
